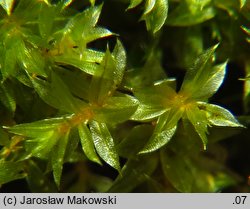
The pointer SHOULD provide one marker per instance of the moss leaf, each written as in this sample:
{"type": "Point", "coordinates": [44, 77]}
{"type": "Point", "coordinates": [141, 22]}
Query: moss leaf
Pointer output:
{"type": "Point", "coordinates": [155, 14]}
{"type": "Point", "coordinates": [87, 143]}
{"type": "Point", "coordinates": [104, 144]}
{"type": "Point", "coordinates": [219, 116]}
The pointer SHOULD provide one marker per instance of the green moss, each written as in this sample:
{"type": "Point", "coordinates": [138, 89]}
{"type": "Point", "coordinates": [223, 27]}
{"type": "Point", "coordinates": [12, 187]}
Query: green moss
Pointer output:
{"type": "Point", "coordinates": [96, 100]}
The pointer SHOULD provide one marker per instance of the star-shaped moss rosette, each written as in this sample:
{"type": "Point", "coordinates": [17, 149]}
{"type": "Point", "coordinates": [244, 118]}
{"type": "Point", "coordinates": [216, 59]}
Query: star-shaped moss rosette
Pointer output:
{"type": "Point", "coordinates": [47, 37]}
{"type": "Point", "coordinates": [55, 139]}
{"type": "Point", "coordinates": [161, 101]}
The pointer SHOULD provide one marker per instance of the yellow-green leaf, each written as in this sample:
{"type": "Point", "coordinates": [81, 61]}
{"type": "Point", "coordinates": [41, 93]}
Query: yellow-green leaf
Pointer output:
{"type": "Point", "coordinates": [164, 131]}
{"type": "Point", "coordinates": [56, 93]}
{"type": "Point", "coordinates": [83, 25]}
{"type": "Point", "coordinates": [91, 68]}
{"type": "Point", "coordinates": [116, 109]}
{"type": "Point", "coordinates": [158, 140]}
{"type": "Point", "coordinates": [36, 128]}
{"type": "Point", "coordinates": [104, 144]}
{"type": "Point", "coordinates": [92, 2]}
{"type": "Point", "coordinates": [155, 17]}
{"type": "Point", "coordinates": [57, 158]}
{"type": "Point", "coordinates": [120, 58]}
{"type": "Point", "coordinates": [42, 145]}
{"type": "Point", "coordinates": [153, 101]}
{"type": "Point", "coordinates": [7, 5]}
{"type": "Point", "coordinates": [32, 61]}
{"type": "Point", "coordinates": [87, 143]}
{"type": "Point", "coordinates": [103, 85]}
{"type": "Point", "coordinates": [219, 116]}
{"type": "Point", "coordinates": [197, 5]}
{"type": "Point", "coordinates": [211, 84]}
{"type": "Point", "coordinates": [9, 67]}
{"type": "Point", "coordinates": [112, 68]}
{"type": "Point", "coordinates": [46, 20]}
{"type": "Point", "coordinates": [202, 73]}
{"type": "Point", "coordinates": [149, 5]}
{"type": "Point", "coordinates": [242, 3]}
{"type": "Point", "coordinates": [199, 121]}
{"type": "Point", "coordinates": [66, 3]}
{"type": "Point", "coordinates": [10, 58]}
{"type": "Point", "coordinates": [96, 33]}
{"type": "Point", "coordinates": [147, 113]}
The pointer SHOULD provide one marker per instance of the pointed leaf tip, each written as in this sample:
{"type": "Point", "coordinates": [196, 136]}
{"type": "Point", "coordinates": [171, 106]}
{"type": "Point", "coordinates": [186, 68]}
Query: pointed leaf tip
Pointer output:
{"type": "Point", "coordinates": [216, 46]}
{"type": "Point", "coordinates": [134, 3]}
{"type": "Point", "coordinates": [155, 15]}
{"type": "Point", "coordinates": [7, 5]}
{"type": "Point", "coordinates": [212, 82]}
{"type": "Point", "coordinates": [242, 3]}
{"type": "Point", "coordinates": [202, 80]}
{"type": "Point", "coordinates": [219, 116]}
{"type": "Point", "coordinates": [92, 2]}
